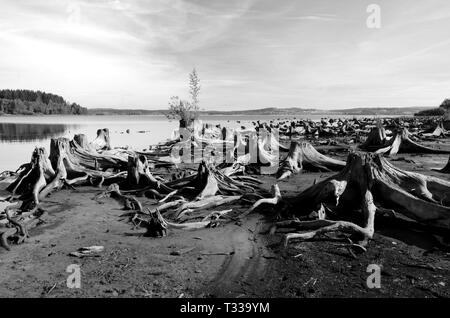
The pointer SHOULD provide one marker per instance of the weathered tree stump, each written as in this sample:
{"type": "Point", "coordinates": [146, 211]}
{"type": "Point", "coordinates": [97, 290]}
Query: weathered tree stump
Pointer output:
{"type": "Point", "coordinates": [139, 175]}
{"type": "Point", "coordinates": [399, 143]}
{"type": "Point", "coordinates": [102, 142]}
{"type": "Point", "coordinates": [305, 156]}
{"type": "Point", "coordinates": [369, 183]}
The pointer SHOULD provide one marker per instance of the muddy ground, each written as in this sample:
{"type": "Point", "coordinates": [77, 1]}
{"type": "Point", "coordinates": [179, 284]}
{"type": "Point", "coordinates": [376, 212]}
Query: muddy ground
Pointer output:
{"type": "Point", "coordinates": [238, 259]}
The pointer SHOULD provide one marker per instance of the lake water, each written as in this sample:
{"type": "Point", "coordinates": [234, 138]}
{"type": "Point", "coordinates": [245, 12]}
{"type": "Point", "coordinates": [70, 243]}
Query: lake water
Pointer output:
{"type": "Point", "coordinates": [19, 135]}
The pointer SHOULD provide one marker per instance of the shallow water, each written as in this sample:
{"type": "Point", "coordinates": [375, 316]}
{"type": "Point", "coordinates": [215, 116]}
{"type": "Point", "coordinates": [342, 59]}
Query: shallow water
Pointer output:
{"type": "Point", "coordinates": [19, 135]}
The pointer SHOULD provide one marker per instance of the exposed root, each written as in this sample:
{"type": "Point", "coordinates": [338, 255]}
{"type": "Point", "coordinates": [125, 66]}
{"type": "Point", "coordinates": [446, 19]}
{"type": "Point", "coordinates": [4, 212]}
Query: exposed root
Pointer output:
{"type": "Point", "coordinates": [17, 226]}
{"type": "Point", "coordinates": [274, 201]}
{"type": "Point", "coordinates": [400, 143]}
{"type": "Point", "coordinates": [128, 202]}
{"type": "Point", "coordinates": [367, 179]}
{"type": "Point", "coordinates": [304, 156]}
{"type": "Point", "coordinates": [139, 175]}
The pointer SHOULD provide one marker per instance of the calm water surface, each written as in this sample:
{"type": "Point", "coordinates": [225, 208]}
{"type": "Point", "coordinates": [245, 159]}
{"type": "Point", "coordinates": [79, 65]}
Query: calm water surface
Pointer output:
{"type": "Point", "coordinates": [19, 135]}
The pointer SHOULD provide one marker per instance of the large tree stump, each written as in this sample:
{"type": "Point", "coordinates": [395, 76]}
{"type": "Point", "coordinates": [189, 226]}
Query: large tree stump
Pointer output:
{"type": "Point", "coordinates": [399, 143]}
{"type": "Point", "coordinates": [82, 158]}
{"type": "Point", "coordinates": [32, 179]}
{"type": "Point", "coordinates": [139, 175]}
{"type": "Point", "coordinates": [102, 142]}
{"type": "Point", "coordinates": [369, 183]}
{"type": "Point", "coordinates": [304, 156]}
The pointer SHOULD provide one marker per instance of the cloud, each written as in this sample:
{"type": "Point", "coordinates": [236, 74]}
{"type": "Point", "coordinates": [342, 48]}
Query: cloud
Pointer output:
{"type": "Point", "coordinates": [137, 53]}
{"type": "Point", "coordinates": [321, 17]}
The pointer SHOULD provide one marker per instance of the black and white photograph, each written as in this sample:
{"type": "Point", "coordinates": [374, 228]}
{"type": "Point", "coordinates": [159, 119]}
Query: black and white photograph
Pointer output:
{"type": "Point", "coordinates": [224, 154]}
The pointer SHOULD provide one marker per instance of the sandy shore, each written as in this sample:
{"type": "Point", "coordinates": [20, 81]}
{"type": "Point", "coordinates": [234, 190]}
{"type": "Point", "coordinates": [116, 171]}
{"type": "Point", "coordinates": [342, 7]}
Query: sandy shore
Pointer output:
{"type": "Point", "coordinates": [238, 259]}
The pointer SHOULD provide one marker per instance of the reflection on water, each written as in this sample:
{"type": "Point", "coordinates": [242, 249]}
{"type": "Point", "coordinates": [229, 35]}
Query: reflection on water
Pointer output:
{"type": "Point", "coordinates": [21, 132]}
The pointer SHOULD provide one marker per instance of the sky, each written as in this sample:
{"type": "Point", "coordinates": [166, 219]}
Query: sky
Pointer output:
{"type": "Point", "coordinates": [248, 53]}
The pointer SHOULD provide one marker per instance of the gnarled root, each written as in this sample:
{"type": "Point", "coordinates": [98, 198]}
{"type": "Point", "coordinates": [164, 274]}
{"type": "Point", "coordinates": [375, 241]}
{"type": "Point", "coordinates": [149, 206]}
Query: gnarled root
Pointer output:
{"type": "Point", "coordinates": [274, 201]}
{"type": "Point", "coordinates": [368, 178]}
{"type": "Point", "coordinates": [128, 202]}
{"type": "Point", "coordinates": [18, 225]}
{"type": "Point", "coordinates": [139, 175]}
{"type": "Point", "coordinates": [156, 226]}
{"type": "Point", "coordinates": [326, 226]}
{"type": "Point", "coordinates": [305, 156]}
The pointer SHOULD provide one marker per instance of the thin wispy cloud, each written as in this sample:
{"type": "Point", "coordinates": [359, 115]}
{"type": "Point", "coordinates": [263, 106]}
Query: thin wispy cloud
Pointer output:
{"type": "Point", "coordinates": [249, 53]}
{"type": "Point", "coordinates": [319, 17]}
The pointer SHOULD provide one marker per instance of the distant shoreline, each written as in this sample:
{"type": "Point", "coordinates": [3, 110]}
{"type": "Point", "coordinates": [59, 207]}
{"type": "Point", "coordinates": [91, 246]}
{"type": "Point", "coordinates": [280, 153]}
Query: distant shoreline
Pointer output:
{"type": "Point", "coordinates": [363, 111]}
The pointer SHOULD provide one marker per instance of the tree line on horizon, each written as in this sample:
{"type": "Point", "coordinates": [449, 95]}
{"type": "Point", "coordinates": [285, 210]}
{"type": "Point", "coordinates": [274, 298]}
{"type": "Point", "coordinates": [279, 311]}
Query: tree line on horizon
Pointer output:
{"type": "Point", "coordinates": [443, 109]}
{"type": "Point", "coordinates": [28, 102]}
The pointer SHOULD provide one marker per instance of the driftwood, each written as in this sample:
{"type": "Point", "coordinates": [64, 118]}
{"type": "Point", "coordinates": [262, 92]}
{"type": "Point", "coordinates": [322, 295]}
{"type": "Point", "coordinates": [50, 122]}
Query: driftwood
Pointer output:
{"type": "Point", "coordinates": [400, 143]}
{"type": "Point", "coordinates": [157, 226]}
{"type": "Point", "coordinates": [370, 184]}
{"type": "Point", "coordinates": [304, 156]}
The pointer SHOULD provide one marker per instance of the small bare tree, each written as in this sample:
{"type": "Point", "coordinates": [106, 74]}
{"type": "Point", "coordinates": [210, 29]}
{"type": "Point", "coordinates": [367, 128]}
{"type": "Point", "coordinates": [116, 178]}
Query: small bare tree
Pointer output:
{"type": "Point", "coordinates": [186, 111]}
{"type": "Point", "coordinates": [194, 88]}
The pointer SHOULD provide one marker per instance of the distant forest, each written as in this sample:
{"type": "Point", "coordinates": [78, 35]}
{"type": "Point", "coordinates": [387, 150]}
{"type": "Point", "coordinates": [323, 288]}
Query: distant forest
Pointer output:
{"type": "Point", "coordinates": [27, 102]}
{"type": "Point", "coordinates": [443, 109]}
